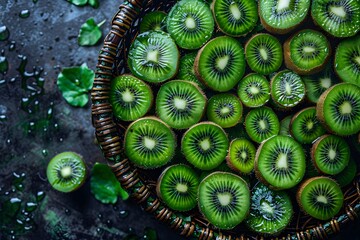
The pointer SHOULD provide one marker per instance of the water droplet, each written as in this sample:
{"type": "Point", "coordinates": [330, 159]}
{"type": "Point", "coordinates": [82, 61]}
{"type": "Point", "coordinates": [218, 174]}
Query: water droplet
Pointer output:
{"type": "Point", "coordinates": [24, 13]}
{"type": "Point", "coordinates": [3, 111]}
{"type": "Point", "coordinates": [4, 33]}
{"type": "Point", "coordinates": [44, 152]}
{"type": "Point", "coordinates": [30, 206]}
{"type": "Point", "coordinates": [40, 196]}
{"type": "Point", "coordinates": [4, 65]}
{"type": "Point", "coordinates": [12, 46]}
{"type": "Point", "coordinates": [100, 216]}
{"type": "Point", "coordinates": [123, 214]}
{"type": "Point", "coordinates": [67, 211]}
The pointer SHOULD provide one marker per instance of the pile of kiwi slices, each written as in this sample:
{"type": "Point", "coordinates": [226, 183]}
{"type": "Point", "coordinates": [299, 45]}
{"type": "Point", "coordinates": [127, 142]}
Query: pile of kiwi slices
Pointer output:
{"type": "Point", "coordinates": [234, 106]}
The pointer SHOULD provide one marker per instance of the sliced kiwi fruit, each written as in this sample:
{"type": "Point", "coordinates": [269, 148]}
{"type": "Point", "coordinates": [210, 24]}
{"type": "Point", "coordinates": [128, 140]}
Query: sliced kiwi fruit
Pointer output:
{"type": "Point", "coordinates": [235, 17]}
{"type": "Point", "coordinates": [241, 156]}
{"type": "Point", "coordinates": [224, 109]}
{"type": "Point", "coordinates": [153, 57]}
{"type": "Point", "coordinates": [130, 97]}
{"type": "Point", "coordinates": [330, 154]}
{"type": "Point", "coordinates": [305, 127]}
{"type": "Point", "coordinates": [190, 23]}
{"type": "Point", "coordinates": [149, 143]}
{"type": "Point", "coordinates": [186, 69]}
{"type": "Point", "coordinates": [339, 109]}
{"type": "Point", "coordinates": [307, 52]}
{"type": "Point", "coordinates": [177, 187]}
{"type": "Point", "coordinates": [220, 64]}
{"type": "Point", "coordinates": [224, 199]}
{"type": "Point", "coordinates": [66, 172]}
{"type": "Point", "coordinates": [320, 197]}
{"type": "Point", "coordinates": [254, 90]}
{"type": "Point", "coordinates": [205, 145]}
{"type": "Point", "coordinates": [270, 211]}
{"type": "Point", "coordinates": [347, 175]}
{"type": "Point", "coordinates": [180, 104]}
{"type": "Point", "coordinates": [285, 126]}
{"type": "Point", "coordinates": [261, 124]}
{"type": "Point", "coordinates": [282, 16]}
{"type": "Point", "coordinates": [280, 162]}
{"type": "Point", "coordinates": [264, 53]}
{"type": "Point", "coordinates": [347, 60]}
{"type": "Point", "coordinates": [340, 18]}
{"type": "Point", "coordinates": [153, 21]}
{"type": "Point", "coordinates": [287, 89]}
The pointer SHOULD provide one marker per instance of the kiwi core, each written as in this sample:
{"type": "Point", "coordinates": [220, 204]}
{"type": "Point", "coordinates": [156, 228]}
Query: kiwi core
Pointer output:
{"type": "Point", "coordinates": [309, 49]}
{"type": "Point", "coordinates": [149, 143]}
{"type": "Point", "coordinates": [338, 11]}
{"type": "Point", "coordinates": [332, 154]}
{"type": "Point", "coordinates": [243, 155]}
{"type": "Point", "coordinates": [266, 207]}
{"type": "Point", "coordinates": [127, 96]}
{"type": "Point", "coordinates": [180, 187]}
{"type": "Point", "coordinates": [234, 9]}
{"type": "Point", "coordinates": [225, 110]}
{"type": "Point", "coordinates": [262, 125]}
{"type": "Point", "coordinates": [325, 82]}
{"type": "Point", "coordinates": [190, 22]}
{"type": "Point", "coordinates": [254, 90]}
{"type": "Point", "coordinates": [224, 198]}
{"type": "Point", "coordinates": [345, 108]}
{"type": "Point", "coordinates": [263, 53]}
{"type": "Point", "coordinates": [287, 88]}
{"type": "Point", "coordinates": [180, 103]}
{"type": "Point", "coordinates": [282, 161]}
{"type": "Point", "coordinates": [310, 125]}
{"type": "Point", "coordinates": [283, 5]}
{"type": "Point", "coordinates": [205, 144]}
{"type": "Point", "coordinates": [222, 62]}
{"type": "Point", "coordinates": [66, 172]}
{"type": "Point", "coordinates": [357, 60]}
{"type": "Point", "coordinates": [322, 199]}
{"type": "Point", "coordinates": [153, 56]}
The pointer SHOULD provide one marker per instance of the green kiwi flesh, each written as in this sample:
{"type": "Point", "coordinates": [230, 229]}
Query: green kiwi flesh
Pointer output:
{"type": "Point", "coordinates": [186, 69]}
{"type": "Point", "coordinates": [347, 175]}
{"type": "Point", "coordinates": [241, 156]}
{"type": "Point", "coordinates": [254, 90]}
{"type": "Point", "coordinates": [285, 126]}
{"type": "Point", "coordinates": [224, 199]}
{"type": "Point", "coordinates": [153, 21]}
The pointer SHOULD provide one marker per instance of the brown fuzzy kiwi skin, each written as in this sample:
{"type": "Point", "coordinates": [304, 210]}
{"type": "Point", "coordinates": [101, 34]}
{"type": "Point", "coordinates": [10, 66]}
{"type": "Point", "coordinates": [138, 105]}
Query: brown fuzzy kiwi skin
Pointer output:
{"type": "Point", "coordinates": [289, 63]}
{"type": "Point", "coordinates": [313, 150]}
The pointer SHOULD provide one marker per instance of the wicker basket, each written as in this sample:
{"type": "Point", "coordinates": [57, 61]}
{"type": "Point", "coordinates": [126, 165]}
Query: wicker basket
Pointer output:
{"type": "Point", "coordinates": [112, 62]}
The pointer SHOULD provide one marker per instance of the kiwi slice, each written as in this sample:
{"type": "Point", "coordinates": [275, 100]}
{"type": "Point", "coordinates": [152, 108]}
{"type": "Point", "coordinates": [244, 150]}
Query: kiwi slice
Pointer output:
{"type": "Point", "coordinates": [347, 175]}
{"type": "Point", "coordinates": [224, 199]}
{"type": "Point", "coordinates": [180, 104]}
{"type": "Point", "coordinates": [66, 172]}
{"type": "Point", "coordinates": [153, 57]}
{"type": "Point", "coordinates": [241, 156]}
{"type": "Point", "coordinates": [307, 52]}
{"type": "Point", "coordinates": [305, 127]}
{"type": "Point", "coordinates": [282, 16]}
{"type": "Point", "coordinates": [130, 97]}
{"type": "Point", "coordinates": [153, 21]}
{"type": "Point", "coordinates": [261, 124]}
{"type": "Point", "coordinates": [190, 23]}
{"type": "Point", "coordinates": [347, 60]}
{"type": "Point", "coordinates": [320, 197]}
{"type": "Point", "coordinates": [235, 17]}
{"type": "Point", "coordinates": [280, 162]}
{"type": "Point", "coordinates": [177, 187]}
{"type": "Point", "coordinates": [205, 145]}
{"type": "Point", "coordinates": [287, 89]}
{"type": "Point", "coordinates": [285, 126]}
{"type": "Point", "coordinates": [224, 109]}
{"type": "Point", "coordinates": [339, 109]}
{"type": "Point", "coordinates": [186, 69]}
{"type": "Point", "coordinates": [149, 143]}
{"type": "Point", "coordinates": [254, 90]}
{"type": "Point", "coordinates": [270, 211]}
{"type": "Point", "coordinates": [340, 18]}
{"type": "Point", "coordinates": [330, 154]}
{"type": "Point", "coordinates": [220, 64]}
{"type": "Point", "coordinates": [264, 53]}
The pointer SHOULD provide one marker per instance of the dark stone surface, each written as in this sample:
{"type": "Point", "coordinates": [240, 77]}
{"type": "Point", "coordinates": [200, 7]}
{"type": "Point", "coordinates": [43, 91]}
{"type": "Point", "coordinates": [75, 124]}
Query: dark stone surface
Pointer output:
{"type": "Point", "coordinates": [30, 136]}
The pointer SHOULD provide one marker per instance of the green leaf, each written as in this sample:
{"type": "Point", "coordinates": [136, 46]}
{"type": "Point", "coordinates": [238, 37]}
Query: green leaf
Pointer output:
{"type": "Point", "coordinates": [94, 3]}
{"type": "Point", "coordinates": [78, 2]}
{"type": "Point", "coordinates": [90, 33]}
{"type": "Point", "coordinates": [104, 185]}
{"type": "Point", "coordinates": [75, 83]}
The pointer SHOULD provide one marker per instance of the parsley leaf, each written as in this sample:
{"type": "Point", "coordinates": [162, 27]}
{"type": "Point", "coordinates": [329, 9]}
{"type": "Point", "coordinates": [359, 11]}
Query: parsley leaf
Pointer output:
{"type": "Point", "coordinates": [78, 2]}
{"type": "Point", "coordinates": [90, 33]}
{"type": "Point", "coordinates": [94, 3]}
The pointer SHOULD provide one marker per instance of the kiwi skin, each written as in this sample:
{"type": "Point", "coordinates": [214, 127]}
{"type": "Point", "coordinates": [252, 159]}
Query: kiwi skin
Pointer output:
{"type": "Point", "coordinates": [289, 64]}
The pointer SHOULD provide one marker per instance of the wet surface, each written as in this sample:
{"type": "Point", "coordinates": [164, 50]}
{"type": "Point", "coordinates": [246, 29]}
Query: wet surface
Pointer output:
{"type": "Point", "coordinates": [38, 39]}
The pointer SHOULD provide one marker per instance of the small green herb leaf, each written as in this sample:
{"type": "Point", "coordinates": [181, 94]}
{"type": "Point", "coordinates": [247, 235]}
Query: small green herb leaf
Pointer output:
{"type": "Point", "coordinates": [104, 185]}
{"type": "Point", "coordinates": [94, 3]}
{"type": "Point", "coordinates": [90, 33]}
{"type": "Point", "coordinates": [78, 2]}
{"type": "Point", "coordinates": [74, 84]}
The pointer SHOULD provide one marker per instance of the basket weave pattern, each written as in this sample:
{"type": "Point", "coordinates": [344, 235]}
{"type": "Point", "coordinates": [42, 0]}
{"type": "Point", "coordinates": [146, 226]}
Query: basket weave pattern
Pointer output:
{"type": "Point", "coordinates": [109, 133]}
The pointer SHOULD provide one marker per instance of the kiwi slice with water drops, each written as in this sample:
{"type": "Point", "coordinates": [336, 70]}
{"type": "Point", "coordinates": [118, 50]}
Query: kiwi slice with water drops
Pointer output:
{"type": "Point", "coordinates": [66, 172]}
{"type": "Point", "coordinates": [186, 69]}
{"type": "Point", "coordinates": [220, 64]}
{"type": "Point", "coordinates": [347, 175]}
{"type": "Point", "coordinates": [149, 143]}
{"type": "Point", "coordinates": [320, 197]}
{"type": "Point", "coordinates": [285, 126]}
{"type": "Point", "coordinates": [347, 60]}
{"type": "Point", "coordinates": [235, 17]}
{"type": "Point", "coordinates": [264, 53]}
{"type": "Point", "coordinates": [287, 89]}
{"type": "Point", "coordinates": [282, 16]}
{"type": "Point", "coordinates": [130, 97]}
{"type": "Point", "coordinates": [280, 162]}
{"type": "Point", "coordinates": [339, 109]}
{"type": "Point", "coordinates": [177, 187]}
{"type": "Point", "coordinates": [261, 124]}
{"type": "Point", "coordinates": [180, 104]}
{"type": "Point", "coordinates": [305, 127]}
{"type": "Point", "coordinates": [224, 109]}
{"type": "Point", "coordinates": [190, 23]}
{"type": "Point", "coordinates": [205, 145]}
{"type": "Point", "coordinates": [270, 211]}
{"type": "Point", "coordinates": [153, 21]}
{"type": "Point", "coordinates": [153, 57]}
{"type": "Point", "coordinates": [224, 199]}
{"type": "Point", "coordinates": [254, 90]}
{"type": "Point", "coordinates": [340, 18]}
{"type": "Point", "coordinates": [307, 52]}
{"type": "Point", "coordinates": [330, 154]}
{"type": "Point", "coordinates": [241, 156]}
